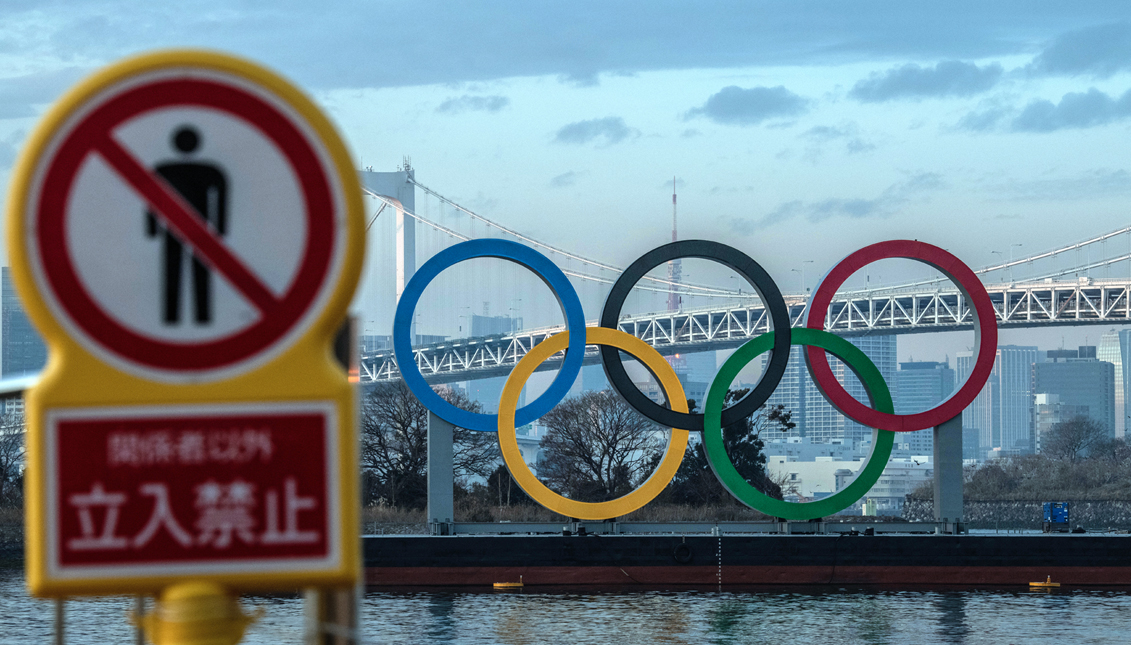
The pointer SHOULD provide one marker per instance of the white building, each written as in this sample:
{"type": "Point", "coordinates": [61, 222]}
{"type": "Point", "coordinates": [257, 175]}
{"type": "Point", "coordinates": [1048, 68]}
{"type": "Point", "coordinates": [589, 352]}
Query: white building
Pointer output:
{"type": "Point", "coordinates": [810, 480]}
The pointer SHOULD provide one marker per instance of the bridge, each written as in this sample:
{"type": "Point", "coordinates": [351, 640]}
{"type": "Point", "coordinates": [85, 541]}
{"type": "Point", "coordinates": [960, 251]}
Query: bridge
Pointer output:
{"type": "Point", "coordinates": [1081, 302]}
{"type": "Point", "coordinates": [1068, 285]}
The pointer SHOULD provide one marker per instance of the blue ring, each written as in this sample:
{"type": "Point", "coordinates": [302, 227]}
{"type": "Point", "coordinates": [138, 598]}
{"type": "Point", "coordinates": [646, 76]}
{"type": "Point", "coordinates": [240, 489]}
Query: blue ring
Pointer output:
{"type": "Point", "coordinates": [544, 269]}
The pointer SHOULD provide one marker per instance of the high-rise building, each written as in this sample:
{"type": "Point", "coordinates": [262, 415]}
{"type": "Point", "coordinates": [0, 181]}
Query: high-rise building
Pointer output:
{"type": "Point", "coordinates": [792, 390]}
{"type": "Point", "coordinates": [1049, 410]}
{"type": "Point", "coordinates": [823, 419]}
{"type": "Point", "coordinates": [487, 391]}
{"type": "Point", "coordinates": [1115, 348]}
{"type": "Point", "coordinates": [695, 372]}
{"type": "Point", "coordinates": [1078, 378]}
{"type": "Point", "coordinates": [1002, 414]}
{"type": "Point", "coordinates": [1108, 352]}
{"type": "Point", "coordinates": [920, 386]}
{"type": "Point", "coordinates": [370, 343]}
{"type": "Point", "coordinates": [21, 348]}
{"type": "Point", "coordinates": [493, 325]}
{"type": "Point", "coordinates": [815, 417]}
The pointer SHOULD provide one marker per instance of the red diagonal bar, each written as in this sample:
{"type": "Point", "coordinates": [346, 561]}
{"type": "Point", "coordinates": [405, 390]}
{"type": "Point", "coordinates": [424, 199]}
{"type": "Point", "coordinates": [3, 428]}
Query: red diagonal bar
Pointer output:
{"type": "Point", "coordinates": [179, 215]}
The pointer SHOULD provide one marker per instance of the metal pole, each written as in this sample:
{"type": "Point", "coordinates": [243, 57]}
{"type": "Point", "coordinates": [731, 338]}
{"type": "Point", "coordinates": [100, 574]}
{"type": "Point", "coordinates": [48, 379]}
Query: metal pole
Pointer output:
{"type": "Point", "coordinates": [330, 617]}
{"type": "Point", "coordinates": [59, 621]}
{"type": "Point", "coordinates": [139, 611]}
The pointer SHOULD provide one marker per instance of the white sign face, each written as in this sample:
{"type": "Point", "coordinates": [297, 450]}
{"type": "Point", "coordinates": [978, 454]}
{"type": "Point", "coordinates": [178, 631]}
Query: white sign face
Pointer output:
{"type": "Point", "coordinates": [124, 260]}
{"type": "Point", "coordinates": [187, 226]}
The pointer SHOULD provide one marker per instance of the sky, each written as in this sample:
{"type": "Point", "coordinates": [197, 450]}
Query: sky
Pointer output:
{"type": "Point", "coordinates": [798, 131]}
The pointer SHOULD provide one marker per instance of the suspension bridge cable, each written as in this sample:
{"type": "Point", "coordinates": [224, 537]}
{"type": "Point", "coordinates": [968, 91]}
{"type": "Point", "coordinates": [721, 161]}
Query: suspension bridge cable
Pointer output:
{"type": "Point", "coordinates": [682, 288]}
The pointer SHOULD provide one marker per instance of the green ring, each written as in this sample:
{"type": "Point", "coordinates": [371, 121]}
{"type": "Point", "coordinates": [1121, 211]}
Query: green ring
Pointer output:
{"type": "Point", "coordinates": [720, 462]}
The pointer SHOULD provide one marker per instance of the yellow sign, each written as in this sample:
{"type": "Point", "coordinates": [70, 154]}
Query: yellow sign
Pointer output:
{"type": "Point", "coordinates": [186, 231]}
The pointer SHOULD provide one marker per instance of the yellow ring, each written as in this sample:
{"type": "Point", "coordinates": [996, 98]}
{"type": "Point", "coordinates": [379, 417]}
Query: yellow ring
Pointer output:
{"type": "Point", "coordinates": [508, 440]}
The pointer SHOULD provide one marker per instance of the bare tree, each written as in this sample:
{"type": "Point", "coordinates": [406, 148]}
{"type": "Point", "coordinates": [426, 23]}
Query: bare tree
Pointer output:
{"type": "Point", "coordinates": [1072, 439]}
{"type": "Point", "coordinates": [394, 444]}
{"type": "Point", "coordinates": [597, 447]}
{"type": "Point", "coordinates": [12, 453]}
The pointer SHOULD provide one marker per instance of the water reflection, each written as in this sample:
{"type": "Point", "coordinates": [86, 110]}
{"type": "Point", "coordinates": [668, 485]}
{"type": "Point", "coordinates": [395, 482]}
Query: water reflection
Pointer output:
{"type": "Point", "coordinates": [794, 616]}
{"type": "Point", "coordinates": [951, 617]}
{"type": "Point", "coordinates": [441, 628]}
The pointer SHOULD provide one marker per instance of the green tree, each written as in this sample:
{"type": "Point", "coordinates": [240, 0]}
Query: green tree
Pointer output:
{"type": "Point", "coordinates": [695, 484]}
{"type": "Point", "coordinates": [505, 489]}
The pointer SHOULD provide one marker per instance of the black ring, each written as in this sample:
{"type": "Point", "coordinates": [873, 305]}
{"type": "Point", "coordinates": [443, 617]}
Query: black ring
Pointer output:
{"type": "Point", "coordinates": [745, 266]}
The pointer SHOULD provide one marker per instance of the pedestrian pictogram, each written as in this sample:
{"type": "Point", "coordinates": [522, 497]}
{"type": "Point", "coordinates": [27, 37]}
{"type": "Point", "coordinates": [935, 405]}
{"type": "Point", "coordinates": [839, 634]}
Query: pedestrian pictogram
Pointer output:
{"type": "Point", "coordinates": [204, 187]}
{"type": "Point", "coordinates": [186, 231]}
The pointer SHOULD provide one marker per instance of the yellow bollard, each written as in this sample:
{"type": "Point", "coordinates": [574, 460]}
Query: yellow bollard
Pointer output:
{"type": "Point", "coordinates": [196, 613]}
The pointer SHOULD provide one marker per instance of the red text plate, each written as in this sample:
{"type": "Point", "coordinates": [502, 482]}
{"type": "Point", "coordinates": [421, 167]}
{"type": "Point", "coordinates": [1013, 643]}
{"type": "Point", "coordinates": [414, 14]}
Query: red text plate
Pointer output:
{"type": "Point", "coordinates": [193, 489]}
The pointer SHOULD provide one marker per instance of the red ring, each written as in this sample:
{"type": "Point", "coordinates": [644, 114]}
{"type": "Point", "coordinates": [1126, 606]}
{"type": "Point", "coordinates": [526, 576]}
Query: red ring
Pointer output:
{"type": "Point", "coordinates": [985, 335]}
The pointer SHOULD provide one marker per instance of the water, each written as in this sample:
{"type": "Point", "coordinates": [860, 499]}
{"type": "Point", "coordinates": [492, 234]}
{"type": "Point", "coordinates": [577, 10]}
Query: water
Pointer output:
{"type": "Point", "coordinates": [702, 617]}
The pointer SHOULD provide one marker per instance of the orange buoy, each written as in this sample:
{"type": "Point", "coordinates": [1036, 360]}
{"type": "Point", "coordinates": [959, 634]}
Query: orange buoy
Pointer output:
{"type": "Point", "coordinates": [509, 585]}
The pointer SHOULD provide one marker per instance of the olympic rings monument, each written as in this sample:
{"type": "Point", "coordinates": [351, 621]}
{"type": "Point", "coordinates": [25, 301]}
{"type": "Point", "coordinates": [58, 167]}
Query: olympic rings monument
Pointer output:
{"type": "Point", "coordinates": [945, 418]}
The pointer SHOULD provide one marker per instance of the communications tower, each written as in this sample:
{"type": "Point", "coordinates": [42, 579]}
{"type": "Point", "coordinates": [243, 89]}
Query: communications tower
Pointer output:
{"type": "Point", "coordinates": [674, 270]}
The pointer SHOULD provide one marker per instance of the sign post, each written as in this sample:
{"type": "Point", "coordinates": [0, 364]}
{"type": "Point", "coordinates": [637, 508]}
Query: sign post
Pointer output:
{"type": "Point", "coordinates": [185, 230]}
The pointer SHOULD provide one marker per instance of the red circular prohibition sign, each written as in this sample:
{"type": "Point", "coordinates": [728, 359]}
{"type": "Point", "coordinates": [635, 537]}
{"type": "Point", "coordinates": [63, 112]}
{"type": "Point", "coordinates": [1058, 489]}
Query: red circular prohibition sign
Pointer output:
{"type": "Point", "coordinates": [985, 335]}
{"type": "Point", "coordinates": [277, 314]}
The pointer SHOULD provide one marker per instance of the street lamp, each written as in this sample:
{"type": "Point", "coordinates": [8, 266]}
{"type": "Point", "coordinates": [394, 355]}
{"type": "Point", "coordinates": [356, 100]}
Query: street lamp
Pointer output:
{"type": "Point", "coordinates": [1011, 260]}
{"type": "Point", "coordinates": [466, 317]}
{"type": "Point", "coordinates": [802, 272]}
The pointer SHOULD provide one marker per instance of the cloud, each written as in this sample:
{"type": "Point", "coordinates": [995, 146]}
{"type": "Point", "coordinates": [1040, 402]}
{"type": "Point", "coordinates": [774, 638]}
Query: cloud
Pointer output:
{"type": "Point", "coordinates": [823, 134]}
{"type": "Point", "coordinates": [690, 132]}
{"type": "Point", "coordinates": [1098, 51]}
{"type": "Point", "coordinates": [468, 103]}
{"type": "Point", "coordinates": [948, 78]}
{"type": "Point", "coordinates": [982, 120]}
{"type": "Point", "coordinates": [828, 132]}
{"type": "Point", "coordinates": [1075, 110]}
{"type": "Point", "coordinates": [735, 105]}
{"type": "Point", "coordinates": [8, 149]}
{"type": "Point", "coordinates": [332, 45]}
{"type": "Point", "coordinates": [588, 78]}
{"type": "Point", "coordinates": [856, 146]}
{"type": "Point", "coordinates": [1087, 185]}
{"type": "Point", "coordinates": [610, 130]}
{"type": "Point", "coordinates": [565, 179]}
{"type": "Point", "coordinates": [883, 205]}
{"type": "Point", "coordinates": [19, 95]}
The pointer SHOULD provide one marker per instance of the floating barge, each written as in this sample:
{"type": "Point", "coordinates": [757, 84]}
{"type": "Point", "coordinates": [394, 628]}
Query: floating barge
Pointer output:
{"type": "Point", "coordinates": [747, 559]}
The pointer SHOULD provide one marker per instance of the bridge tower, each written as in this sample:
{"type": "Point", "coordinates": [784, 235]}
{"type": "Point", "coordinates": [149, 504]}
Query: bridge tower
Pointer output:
{"type": "Point", "coordinates": [400, 188]}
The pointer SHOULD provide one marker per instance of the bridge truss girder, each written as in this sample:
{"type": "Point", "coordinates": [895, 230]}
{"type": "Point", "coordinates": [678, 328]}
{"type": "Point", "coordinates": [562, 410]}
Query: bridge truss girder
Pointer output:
{"type": "Point", "coordinates": [1020, 305]}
